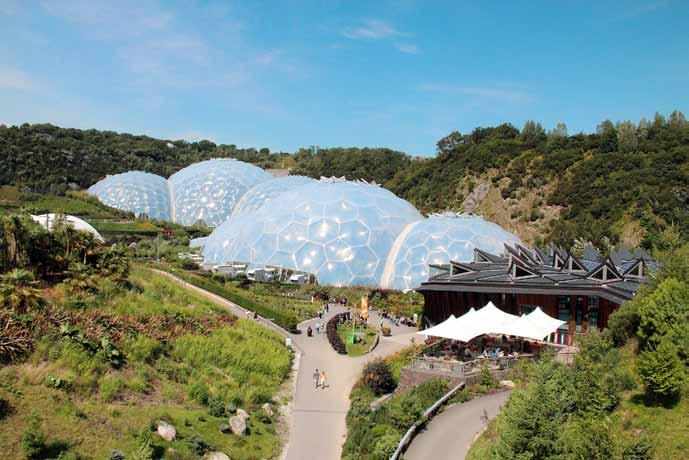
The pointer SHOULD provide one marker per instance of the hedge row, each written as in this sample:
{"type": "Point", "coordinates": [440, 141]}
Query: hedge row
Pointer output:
{"type": "Point", "coordinates": [333, 336]}
{"type": "Point", "coordinates": [287, 321]}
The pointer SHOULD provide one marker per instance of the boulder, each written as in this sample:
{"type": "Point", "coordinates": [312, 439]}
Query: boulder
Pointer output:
{"type": "Point", "coordinates": [117, 455]}
{"type": "Point", "coordinates": [225, 428]}
{"type": "Point", "coordinates": [216, 456]}
{"type": "Point", "coordinates": [243, 414]}
{"type": "Point", "coordinates": [238, 425]}
{"type": "Point", "coordinates": [166, 431]}
{"type": "Point", "coordinates": [267, 409]}
{"type": "Point", "coordinates": [508, 384]}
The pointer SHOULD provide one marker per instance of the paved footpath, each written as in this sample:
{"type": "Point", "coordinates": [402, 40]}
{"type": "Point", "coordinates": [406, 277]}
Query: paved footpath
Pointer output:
{"type": "Point", "coordinates": [317, 428]}
{"type": "Point", "coordinates": [317, 419]}
{"type": "Point", "coordinates": [449, 435]}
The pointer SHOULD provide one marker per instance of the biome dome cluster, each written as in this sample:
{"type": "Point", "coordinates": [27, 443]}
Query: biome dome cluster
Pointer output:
{"type": "Point", "coordinates": [343, 232]}
{"type": "Point", "coordinates": [437, 240]}
{"type": "Point", "coordinates": [204, 192]}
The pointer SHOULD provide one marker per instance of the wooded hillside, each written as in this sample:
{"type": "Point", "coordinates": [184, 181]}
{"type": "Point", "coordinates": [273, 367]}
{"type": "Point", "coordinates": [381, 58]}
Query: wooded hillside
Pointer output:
{"type": "Point", "coordinates": [627, 181]}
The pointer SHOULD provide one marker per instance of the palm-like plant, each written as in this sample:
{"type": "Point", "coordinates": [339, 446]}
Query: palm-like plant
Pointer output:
{"type": "Point", "coordinates": [19, 291]}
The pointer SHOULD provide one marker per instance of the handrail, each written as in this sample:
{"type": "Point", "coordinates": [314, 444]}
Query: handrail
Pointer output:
{"type": "Point", "coordinates": [409, 435]}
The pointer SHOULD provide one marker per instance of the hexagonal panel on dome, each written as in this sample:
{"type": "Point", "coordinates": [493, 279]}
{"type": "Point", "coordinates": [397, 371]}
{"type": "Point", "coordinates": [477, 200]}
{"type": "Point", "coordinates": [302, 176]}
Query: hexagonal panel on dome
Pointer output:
{"type": "Point", "coordinates": [265, 191]}
{"type": "Point", "coordinates": [340, 231]}
{"type": "Point", "coordinates": [135, 191]}
{"type": "Point", "coordinates": [437, 240]}
{"type": "Point", "coordinates": [208, 191]}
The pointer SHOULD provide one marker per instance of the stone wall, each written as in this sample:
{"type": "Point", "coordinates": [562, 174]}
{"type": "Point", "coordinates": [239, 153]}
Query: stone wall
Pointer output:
{"type": "Point", "coordinates": [411, 377]}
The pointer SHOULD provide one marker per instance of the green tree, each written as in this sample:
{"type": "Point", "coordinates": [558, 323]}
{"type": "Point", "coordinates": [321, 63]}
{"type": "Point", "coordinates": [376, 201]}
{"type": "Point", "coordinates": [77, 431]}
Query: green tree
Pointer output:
{"type": "Point", "coordinates": [608, 136]}
{"type": "Point", "coordinates": [627, 137]}
{"type": "Point", "coordinates": [532, 134]}
{"type": "Point", "coordinates": [662, 372]}
{"type": "Point", "coordinates": [664, 313]}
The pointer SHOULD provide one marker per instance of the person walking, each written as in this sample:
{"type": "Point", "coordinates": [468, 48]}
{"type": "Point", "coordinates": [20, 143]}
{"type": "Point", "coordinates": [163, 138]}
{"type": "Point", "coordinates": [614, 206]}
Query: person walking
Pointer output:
{"type": "Point", "coordinates": [318, 328]}
{"type": "Point", "coordinates": [323, 380]}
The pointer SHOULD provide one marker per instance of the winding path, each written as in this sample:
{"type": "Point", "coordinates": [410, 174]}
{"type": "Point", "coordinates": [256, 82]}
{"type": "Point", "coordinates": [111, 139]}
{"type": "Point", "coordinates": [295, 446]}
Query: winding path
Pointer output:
{"type": "Point", "coordinates": [450, 434]}
{"type": "Point", "coordinates": [317, 427]}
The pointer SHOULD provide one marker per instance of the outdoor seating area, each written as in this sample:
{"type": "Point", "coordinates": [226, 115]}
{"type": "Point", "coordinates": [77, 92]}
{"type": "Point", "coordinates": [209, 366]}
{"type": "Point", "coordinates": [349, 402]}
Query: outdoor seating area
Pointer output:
{"type": "Point", "coordinates": [485, 337]}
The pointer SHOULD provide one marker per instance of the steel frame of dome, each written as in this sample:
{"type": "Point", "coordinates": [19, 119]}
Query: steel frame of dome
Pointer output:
{"type": "Point", "coordinates": [135, 191]}
{"type": "Point", "coordinates": [262, 193]}
{"type": "Point", "coordinates": [340, 231]}
{"type": "Point", "coordinates": [209, 190]}
{"type": "Point", "coordinates": [437, 240]}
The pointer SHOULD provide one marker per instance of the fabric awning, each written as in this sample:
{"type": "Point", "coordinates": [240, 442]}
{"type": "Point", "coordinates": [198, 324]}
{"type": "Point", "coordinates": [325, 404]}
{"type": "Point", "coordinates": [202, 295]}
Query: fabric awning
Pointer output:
{"type": "Point", "coordinates": [491, 320]}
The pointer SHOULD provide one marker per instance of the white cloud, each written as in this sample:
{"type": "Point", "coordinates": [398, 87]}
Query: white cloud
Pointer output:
{"type": "Point", "coordinates": [15, 79]}
{"type": "Point", "coordinates": [372, 29]}
{"type": "Point", "coordinates": [492, 92]}
{"type": "Point", "coordinates": [408, 48]}
{"type": "Point", "coordinates": [193, 136]}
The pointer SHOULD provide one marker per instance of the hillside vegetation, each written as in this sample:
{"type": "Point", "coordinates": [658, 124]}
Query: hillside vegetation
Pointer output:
{"type": "Point", "coordinates": [627, 395]}
{"type": "Point", "coordinates": [96, 352]}
{"type": "Point", "coordinates": [625, 182]}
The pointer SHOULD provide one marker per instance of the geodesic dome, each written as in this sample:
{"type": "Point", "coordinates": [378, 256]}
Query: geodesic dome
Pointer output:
{"type": "Point", "coordinates": [266, 191]}
{"type": "Point", "coordinates": [437, 240]}
{"type": "Point", "coordinates": [340, 231]}
{"type": "Point", "coordinates": [49, 221]}
{"type": "Point", "coordinates": [209, 190]}
{"type": "Point", "coordinates": [135, 191]}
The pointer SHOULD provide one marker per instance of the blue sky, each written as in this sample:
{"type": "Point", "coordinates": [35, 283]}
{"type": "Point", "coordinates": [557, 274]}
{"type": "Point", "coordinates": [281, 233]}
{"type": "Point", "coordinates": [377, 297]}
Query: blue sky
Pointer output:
{"type": "Point", "coordinates": [288, 74]}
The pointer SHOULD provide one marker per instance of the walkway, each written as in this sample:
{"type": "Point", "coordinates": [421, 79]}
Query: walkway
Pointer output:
{"type": "Point", "coordinates": [317, 419]}
{"type": "Point", "coordinates": [449, 435]}
{"type": "Point", "coordinates": [318, 429]}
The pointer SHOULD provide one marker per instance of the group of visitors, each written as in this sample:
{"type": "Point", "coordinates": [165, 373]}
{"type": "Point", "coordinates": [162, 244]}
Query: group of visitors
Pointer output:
{"type": "Point", "coordinates": [320, 379]}
{"type": "Point", "coordinates": [249, 315]}
{"type": "Point", "coordinates": [398, 320]}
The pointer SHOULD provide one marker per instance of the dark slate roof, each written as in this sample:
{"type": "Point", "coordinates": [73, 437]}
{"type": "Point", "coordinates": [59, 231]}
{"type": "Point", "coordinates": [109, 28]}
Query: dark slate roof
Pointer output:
{"type": "Point", "coordinates": [524, 270]}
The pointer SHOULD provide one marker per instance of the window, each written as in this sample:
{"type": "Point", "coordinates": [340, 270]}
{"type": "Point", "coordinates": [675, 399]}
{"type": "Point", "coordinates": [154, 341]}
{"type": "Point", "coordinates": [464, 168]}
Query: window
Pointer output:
{"type": "Point", "coordinates": [526, 309]}
{"type": "Point", "coordinates": [563, 308]}
{"type": "Point", "coordinates": [594, 305]}
{"type": "Point", "coordinates": [579, 313]}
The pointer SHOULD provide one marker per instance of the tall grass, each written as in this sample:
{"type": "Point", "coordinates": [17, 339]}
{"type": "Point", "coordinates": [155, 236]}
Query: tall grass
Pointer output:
{"type": "Point", "coordinates": [155, 294]}
{"type": "Point", "coordinates": [244, 364]}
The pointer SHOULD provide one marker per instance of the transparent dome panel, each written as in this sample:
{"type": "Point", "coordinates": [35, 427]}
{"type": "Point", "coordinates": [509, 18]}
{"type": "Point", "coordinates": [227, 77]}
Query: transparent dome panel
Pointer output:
{"type": "Point", "coordinates": [142, 193]}
{"type": "Point", "coordinates": [207, 192]}
{"type": "Point", "coordinates": [266, 191]}
{"type": "Point", "coordinates": [340, 231]}
{"type": "Point", "coordinates": [437, 240]}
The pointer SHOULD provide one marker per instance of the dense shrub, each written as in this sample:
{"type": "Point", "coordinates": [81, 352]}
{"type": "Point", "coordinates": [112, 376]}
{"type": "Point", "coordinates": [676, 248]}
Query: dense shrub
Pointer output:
{"type": "Point", "coordinates": [378, 378]}
{"type": "Point", "coordinates": [143, 349]}
{"type": "Point", "coordinates": [33, 440]}
{"type": "Point", "coordinates": [5, 408]}
{"type": "Point", "coordinates": [374, 435]}
{"type": "Point", "coordinates": [640, 450]}
{"type": "Point", "coordinates": [664, 313]}
{"type": "Point", "coordinates": [662, 372]}
{"type": "Point", "coordinates": [333, 336]}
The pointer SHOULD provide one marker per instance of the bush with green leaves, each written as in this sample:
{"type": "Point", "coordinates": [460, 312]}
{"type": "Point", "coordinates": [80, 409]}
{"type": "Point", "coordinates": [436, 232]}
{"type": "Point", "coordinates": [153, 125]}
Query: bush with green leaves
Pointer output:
{"type": "Point", "coordinates": [143, 349]}
{"type": "Point", "coordinates": [374, 435]}
{"type": "Point", "coordinates": [378, 377]}
{"type": "Point", "coordinates": [34, 439]}
{"type": "Point", "coordinates": [664, 313]}
{"type": "Point", "coordinates": [640, 450]}
{"type": "Point", "coordinates": [662, 372]}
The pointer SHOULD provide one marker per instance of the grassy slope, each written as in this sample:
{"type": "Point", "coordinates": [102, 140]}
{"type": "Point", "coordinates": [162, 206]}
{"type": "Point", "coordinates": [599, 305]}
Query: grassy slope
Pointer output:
{"type": "Point", "coordinates": [666, 428]}
{"type": "Point", "coordinates": [105, 408]}
{"type": "Point", "coordinates": [260, 298]}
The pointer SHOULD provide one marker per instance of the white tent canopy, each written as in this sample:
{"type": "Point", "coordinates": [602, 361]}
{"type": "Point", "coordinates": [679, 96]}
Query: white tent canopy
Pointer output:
{"type": "Point", "coordinates": [544, 322]}
{"type": "Point", "coordinates": [491, 320]}
{"type": "Point", "coordinates": [439, 328]}
{"type": "Point", "coordinates": [48, 221]}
